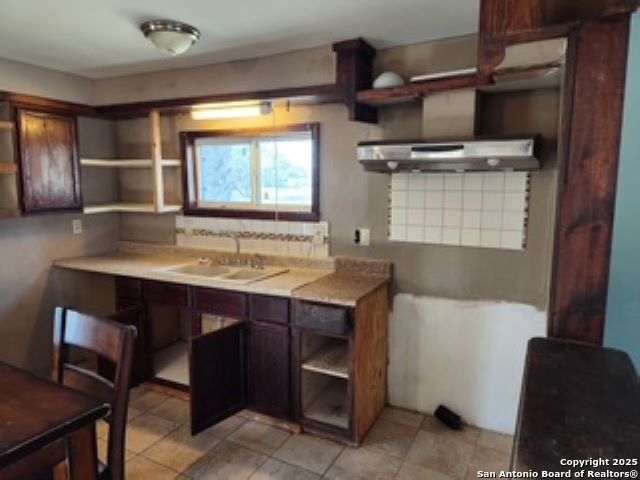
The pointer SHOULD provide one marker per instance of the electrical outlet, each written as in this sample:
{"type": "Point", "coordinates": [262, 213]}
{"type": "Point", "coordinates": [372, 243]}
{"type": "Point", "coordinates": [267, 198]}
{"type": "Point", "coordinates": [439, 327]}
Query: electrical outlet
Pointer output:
{"type": "Point", "coordinates": [76, 226]}
{"type": "Point", "coordinates": [362, 237]}
{"type": "Point", "coordinates": [318, 237]}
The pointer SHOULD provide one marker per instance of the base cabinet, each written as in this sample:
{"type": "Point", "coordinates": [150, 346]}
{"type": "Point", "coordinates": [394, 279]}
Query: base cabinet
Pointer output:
{"type": "Point", "coordinates": [321, 365]}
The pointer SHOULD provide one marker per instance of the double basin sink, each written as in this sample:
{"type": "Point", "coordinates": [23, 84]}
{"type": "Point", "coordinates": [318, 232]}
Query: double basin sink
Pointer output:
{"type": "Point", "coordinates": [227, 273]}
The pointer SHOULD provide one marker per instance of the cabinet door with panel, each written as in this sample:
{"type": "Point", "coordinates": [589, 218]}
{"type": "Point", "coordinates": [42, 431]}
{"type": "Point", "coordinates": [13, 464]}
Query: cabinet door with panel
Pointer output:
{"type": "Point", "coordinates": [268, 369]}
{"type": "Point", "coordinates": [217, 357]}
{"type": "Point", "coordinates": [49, 162]}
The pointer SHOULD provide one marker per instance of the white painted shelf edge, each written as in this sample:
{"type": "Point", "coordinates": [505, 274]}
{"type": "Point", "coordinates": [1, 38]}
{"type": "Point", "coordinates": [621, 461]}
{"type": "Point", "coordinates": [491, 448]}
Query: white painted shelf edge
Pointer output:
{"type": "Point", "coordinates": [120, 207]}
{"type": "Point", "coordinates": [127, 163]}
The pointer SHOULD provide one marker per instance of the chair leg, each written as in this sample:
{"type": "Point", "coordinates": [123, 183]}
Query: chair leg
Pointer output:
{"type": "Point", "coordinates": [60, 471]}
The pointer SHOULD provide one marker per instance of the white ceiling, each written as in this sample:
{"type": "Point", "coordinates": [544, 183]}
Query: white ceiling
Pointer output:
{"type": "Point", "coordinates": [100, 38]}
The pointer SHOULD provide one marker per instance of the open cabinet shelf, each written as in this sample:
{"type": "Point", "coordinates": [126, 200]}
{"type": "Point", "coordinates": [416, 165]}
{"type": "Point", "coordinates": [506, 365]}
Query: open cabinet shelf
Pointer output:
{"type": "Point", "coordinates": [330, 405]}
{"type": "Point", "coordinates": [415, 91]}
{"type": "Point", "coordinates": [331, 359]}
{"type": "Point", "coordinates": [126, 163]}
{"type": "Point", "coordinates": [6, 125]}
{"type": "Point", "coordinates": [155, 166]}
{"type": "Point", "coordinates": [528, 77]}
{"type": "Point", "coordinates": [122, 207]}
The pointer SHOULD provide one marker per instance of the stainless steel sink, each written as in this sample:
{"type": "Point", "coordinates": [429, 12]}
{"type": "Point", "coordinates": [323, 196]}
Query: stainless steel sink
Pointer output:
{"type": "Point", "coordinates": [227, 273]}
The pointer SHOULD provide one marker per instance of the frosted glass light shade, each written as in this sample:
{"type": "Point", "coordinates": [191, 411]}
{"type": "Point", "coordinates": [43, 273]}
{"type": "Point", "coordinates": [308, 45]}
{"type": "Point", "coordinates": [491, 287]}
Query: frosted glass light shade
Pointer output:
{"type": "Point", "coordinates": [173, 43]}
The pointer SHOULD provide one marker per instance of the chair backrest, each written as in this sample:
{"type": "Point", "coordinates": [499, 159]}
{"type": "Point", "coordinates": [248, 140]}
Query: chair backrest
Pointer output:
{"type": "Point", "coordinates": [111, 341]}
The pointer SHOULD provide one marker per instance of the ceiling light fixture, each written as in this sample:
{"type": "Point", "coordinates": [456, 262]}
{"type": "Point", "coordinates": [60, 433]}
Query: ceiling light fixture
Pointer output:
{"type": "Point", "coordinates": [170, 36]}
{"type": "Point", "coordinates": [217, 111]}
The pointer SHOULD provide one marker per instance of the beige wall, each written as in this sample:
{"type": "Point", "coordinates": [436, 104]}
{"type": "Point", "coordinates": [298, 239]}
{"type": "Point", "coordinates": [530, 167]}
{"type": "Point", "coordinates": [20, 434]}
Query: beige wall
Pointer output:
{"type": "Point", "coordinates": [293, 69]}
{"type": "Point", "coordinates": [351, 198]}
{"type": "Point", "coordinates": [28, 79]}
{"type": "Point", "coordinates": [29, 287]}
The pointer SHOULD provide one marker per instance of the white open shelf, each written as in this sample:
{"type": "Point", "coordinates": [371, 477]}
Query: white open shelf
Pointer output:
{"type": "Point", "coordinates": [331, 359]}
{"type": "Point", "coordinates": [155, 164]}
{"type": "Point", "coordinates": [122, 207]}
{"type": "Point", "coordinates": [127, 163]}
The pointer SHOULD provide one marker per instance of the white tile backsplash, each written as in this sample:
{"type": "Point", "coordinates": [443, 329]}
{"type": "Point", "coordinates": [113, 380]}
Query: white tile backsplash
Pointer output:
{"type": "Point", "coordinates": [291, 238]}
{"type": "Point", "coordinates": [482, 209]}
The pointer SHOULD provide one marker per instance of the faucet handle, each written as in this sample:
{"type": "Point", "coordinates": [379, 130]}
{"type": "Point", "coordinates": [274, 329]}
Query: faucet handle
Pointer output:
{"type": "Point", "coordinates": [204, 261]}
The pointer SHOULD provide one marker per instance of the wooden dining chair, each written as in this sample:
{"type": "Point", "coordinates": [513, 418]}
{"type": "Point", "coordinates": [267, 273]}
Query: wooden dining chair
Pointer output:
{"type": "Point", "coordinates": [113, 343]}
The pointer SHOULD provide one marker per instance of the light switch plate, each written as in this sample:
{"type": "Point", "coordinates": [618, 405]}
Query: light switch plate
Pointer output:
{"type": "Point", "coordinates": [76, 226]}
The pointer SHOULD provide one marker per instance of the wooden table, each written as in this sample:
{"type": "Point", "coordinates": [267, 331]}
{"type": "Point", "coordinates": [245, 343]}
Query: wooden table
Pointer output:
{"type": "Point", "coordinates": [577, 402]}
{"type": "Point", "coordinates": [35, 413]}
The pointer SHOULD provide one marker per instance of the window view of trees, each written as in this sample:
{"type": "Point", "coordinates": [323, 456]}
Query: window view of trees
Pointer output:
{"type": "Point", "coordinates": [284, 167]}
{"type": "Point", "coordinates": [286, 180]}
{"type": "Point", "coordinates": [225, 173]}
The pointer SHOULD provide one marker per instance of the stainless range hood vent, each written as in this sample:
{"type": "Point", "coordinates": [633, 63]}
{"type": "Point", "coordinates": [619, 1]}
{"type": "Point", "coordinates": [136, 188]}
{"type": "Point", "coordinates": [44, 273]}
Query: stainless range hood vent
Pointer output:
{"type": "Point", "coordinates": [507, 154]}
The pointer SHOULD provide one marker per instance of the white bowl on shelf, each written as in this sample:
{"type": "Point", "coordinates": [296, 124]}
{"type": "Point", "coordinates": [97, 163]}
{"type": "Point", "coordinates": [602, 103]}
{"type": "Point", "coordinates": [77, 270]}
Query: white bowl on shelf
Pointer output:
{"type": "Point", "coordinates": [388, 80]}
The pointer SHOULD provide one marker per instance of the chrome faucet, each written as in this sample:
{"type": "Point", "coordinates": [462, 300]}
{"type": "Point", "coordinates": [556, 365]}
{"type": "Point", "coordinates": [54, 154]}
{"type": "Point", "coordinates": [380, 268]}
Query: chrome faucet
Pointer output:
{"type": "Point", "coordinates": [233, 235]}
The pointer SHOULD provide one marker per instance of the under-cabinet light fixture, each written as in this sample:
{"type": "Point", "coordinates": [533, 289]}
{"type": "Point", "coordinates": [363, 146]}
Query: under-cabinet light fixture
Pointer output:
{"type": "Point", "coordinates": [230, 110]}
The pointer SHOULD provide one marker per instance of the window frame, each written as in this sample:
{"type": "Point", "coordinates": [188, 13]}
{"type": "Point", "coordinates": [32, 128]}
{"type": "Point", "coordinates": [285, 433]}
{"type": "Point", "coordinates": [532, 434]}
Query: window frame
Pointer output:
{"type": "Point", "coordinates": [190, 178]}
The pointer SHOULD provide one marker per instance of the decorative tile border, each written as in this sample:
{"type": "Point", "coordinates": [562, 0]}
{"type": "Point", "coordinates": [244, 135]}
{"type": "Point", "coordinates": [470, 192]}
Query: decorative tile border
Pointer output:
{"type": "Point", "coordinates": [283, 237]}
{"type": "Point", "coordinates": [294, 239]}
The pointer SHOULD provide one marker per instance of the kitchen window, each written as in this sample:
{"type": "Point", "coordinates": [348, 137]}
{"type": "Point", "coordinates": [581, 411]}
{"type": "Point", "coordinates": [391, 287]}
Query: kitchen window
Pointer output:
{"type": "Point", "coordinates": [266, 173]}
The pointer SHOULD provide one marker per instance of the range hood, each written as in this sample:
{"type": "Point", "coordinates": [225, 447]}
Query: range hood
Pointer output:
{"type": "Point", "coordinates": [514, 153]}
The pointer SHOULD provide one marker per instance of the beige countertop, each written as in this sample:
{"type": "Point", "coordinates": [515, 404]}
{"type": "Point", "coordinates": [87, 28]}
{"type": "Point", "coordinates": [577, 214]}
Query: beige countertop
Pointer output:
{"type": "Point", "coordinates": [318, 285]}
{"type": "Point", "coordinates": [342, 288]}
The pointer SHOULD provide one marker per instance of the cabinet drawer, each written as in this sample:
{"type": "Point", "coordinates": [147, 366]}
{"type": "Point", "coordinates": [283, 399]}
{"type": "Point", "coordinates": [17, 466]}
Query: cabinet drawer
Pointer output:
{"type": "Point", "coordinates": [220, 302]}
{"type": "Point", "coordinates": [166, 294]}
{"type": "Point", "coordinates": [128, 288]}
{"type": "Point", "coordinates": [269, 309]}
{"type": "Point", "coordinates": [323, 318]}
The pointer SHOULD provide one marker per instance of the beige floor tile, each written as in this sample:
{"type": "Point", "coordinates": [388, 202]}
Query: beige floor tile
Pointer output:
{"type": "Point", "coordinates": [227, 461]}
{"type": "Point", "coordinates": [408, 471]}
{"type": "Point", "coordinates": [309, 452]}
{"type": "Point", "coordinates": [141, 468]}
{"type": "Point", "coordinates": [145, 430]}
{"type": "Point", "coordinates": [174, 409]}
{"type": "Point", "coordinates": [433, 425]}
{"type": "Point", "coordinates": [442, 453]}
{"type": "Point", "coordinates": [259, 436]}
{"type": "Point", "coordinates": [390, 438]}
{"type": "Point", "coordinates": [496, 441]}
{"type": "Point", "coordinates": [405, 417]}
{"type": "Point", "coordinates": [179, 450]}
{"type": "Point", "coordinates": [488, 460]}
{"type": "Point", "coordinates": [363, 464]}
{"type": "Point", "coordinates": [133, 413]}
{"type": "Point", "coordinates": [102, 452]}
{"type": "Point", "coordinates": [226, 427]}
{"type": "Point", "coordinates": [146, 399]}
{"type": "Point", "coordinates": [275, 470]}
{"type": "Point", "coordinates": [102, 430]}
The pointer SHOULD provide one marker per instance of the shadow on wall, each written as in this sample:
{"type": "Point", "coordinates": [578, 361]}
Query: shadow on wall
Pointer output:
{"type": "Point", "coordinates": [467, 355]}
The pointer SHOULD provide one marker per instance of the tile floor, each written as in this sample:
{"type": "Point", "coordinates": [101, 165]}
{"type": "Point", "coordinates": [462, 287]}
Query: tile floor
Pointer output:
{"type": "Point", "coordinates": [402, 445]}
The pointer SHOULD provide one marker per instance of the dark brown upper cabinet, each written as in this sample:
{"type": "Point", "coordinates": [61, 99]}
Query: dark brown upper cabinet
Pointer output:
{"type": "Point", "coordinates": [49, 164]}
